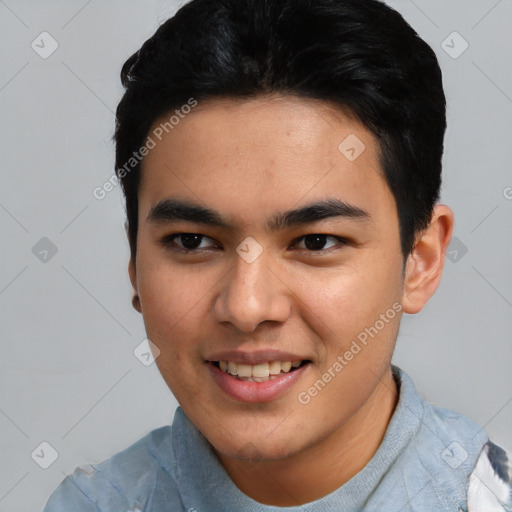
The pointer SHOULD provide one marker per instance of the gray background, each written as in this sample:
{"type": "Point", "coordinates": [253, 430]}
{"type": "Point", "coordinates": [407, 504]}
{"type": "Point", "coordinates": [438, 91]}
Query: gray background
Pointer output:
{"type": "Point", "coordinates": [68, 375]}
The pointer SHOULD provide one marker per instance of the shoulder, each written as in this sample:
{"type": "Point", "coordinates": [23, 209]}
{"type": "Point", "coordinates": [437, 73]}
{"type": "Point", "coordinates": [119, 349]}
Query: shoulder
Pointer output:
{"type": "Point", "coordinates": [442, 453]}
{"type": "Point", "coordinates": [490, 483]}
{"type": "Point", "coordinates": [443, 432]}
{"type": "Point", "coordinates": [467, 466]}
{"type": "Point", "coordinates": [129, 480]}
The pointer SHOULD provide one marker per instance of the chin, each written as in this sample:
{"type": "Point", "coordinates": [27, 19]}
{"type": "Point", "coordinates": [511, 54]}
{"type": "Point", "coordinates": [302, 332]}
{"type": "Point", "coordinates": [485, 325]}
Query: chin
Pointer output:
{"type": "Point", "coordinates": [256, 447]}
{"type": "Point", "coordinates": [253, 451]}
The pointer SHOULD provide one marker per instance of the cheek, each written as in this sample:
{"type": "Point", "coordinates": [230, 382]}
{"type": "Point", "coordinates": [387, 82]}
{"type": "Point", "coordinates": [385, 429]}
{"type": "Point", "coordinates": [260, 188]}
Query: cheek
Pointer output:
{"type": "Point", "coordinates": [165, 289]}
{"type": "Point", "coordinates": [345, 312]}
{"type": "Point", "coordinates": [171, 307]}
{"type": "Point", "coordinates": [350, 297]}
{"type": "Point", "coordinates": [171, 300]}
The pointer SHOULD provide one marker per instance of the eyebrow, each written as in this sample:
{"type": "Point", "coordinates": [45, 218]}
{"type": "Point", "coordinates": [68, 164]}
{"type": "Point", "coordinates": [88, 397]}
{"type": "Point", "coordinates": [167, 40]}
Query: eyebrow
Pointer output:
{"type": "Point", "coordinates": [172, 210]}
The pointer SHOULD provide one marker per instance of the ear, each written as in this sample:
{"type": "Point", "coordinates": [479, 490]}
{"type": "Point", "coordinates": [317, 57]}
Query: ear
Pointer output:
{"type": "Point", "coordinates": [425, 263]}
{"type": "Point", "coordinates": [132, 272]}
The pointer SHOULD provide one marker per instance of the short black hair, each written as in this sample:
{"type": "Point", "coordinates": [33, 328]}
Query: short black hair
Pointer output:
{"type": "Point", "coordinates": [360, 55]}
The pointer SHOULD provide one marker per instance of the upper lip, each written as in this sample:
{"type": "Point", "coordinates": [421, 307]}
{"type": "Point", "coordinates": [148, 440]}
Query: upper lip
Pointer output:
{"type": "Point", "coordinates": [255, 357]}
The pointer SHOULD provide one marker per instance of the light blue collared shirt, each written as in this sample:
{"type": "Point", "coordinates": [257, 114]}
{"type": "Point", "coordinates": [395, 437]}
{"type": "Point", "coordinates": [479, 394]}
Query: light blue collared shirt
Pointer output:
{"type": "Point", "coordinates": [422, 465]}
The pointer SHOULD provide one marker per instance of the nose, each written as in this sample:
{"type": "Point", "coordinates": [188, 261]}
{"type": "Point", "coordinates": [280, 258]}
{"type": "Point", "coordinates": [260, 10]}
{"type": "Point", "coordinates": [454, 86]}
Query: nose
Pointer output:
{"type": "Point", "coordinates": [252, 293]}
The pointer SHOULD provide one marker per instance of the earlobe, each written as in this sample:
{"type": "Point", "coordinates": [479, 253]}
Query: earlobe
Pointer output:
{"type": "Point", "coordinates": [132, 272]}
{"type": "Point", "coordinates": [425, 264]}
{"type": "Point", "coordinates": [136, 303]}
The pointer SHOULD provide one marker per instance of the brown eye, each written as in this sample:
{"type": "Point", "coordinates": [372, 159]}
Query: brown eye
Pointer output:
{"type": "Point", "coordinates": [317, 242]}
{"type": "Point", "coordinates": [185, 241]}
{"type": "Point", "coordinates": [190, 241]}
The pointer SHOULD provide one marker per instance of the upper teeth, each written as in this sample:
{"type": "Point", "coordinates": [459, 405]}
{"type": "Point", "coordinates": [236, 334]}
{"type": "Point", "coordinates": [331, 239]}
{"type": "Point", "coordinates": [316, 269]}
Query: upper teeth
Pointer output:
{"type": "Point", "coordinates": [258, 370]}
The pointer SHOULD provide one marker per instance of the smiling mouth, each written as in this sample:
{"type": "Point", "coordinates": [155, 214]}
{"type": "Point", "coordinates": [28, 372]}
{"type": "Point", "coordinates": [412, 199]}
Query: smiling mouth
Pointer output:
{"type": "Point", "coordinates": [259, 372]}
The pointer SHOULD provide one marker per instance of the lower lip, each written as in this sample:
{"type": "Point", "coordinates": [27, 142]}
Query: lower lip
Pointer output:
{"type": "Point", "coordinates": [254, 392]}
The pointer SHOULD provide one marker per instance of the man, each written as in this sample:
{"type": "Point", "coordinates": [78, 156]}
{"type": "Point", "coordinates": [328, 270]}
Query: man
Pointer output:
{"type": "Point", "coordinates": [281, 163]}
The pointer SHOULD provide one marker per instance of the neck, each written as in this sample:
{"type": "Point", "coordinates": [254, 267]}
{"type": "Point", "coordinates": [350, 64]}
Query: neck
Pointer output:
{"type": "Point", "coordinates": [320, 469]}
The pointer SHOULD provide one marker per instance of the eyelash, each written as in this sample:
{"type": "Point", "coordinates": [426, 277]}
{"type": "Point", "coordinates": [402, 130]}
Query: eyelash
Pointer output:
{"type": "Point", "coordinates": [168, 243]}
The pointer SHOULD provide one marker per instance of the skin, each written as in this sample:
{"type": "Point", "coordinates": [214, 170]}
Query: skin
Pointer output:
{"type": "Point", "coordinates": [248, 160]}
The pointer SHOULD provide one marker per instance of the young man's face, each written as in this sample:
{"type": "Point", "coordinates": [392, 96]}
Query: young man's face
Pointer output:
{"type": "Point", "coordinates": [261, 291]}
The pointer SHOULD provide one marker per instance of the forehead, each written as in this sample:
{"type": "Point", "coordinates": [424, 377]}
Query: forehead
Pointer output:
{"type": "Point", "coordinates": [265, 154]}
